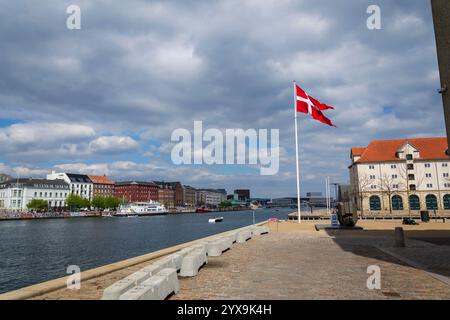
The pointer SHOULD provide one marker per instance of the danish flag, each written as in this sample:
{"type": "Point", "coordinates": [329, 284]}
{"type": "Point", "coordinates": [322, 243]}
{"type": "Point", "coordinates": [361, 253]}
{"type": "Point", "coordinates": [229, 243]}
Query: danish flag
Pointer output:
{"type": "Point", "coordinates": [309, 105]}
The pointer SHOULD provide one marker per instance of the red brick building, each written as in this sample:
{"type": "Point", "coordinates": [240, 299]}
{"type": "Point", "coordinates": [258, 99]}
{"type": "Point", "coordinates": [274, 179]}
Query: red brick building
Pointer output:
{"type": "Point", "coordinates": [103, 186]}
{"type": "Point", "coordinates": [137, 191]}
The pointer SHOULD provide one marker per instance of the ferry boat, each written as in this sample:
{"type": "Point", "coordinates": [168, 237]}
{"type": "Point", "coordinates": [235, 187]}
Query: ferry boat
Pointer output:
{"type": "Point", "coordinates": [138, 209]}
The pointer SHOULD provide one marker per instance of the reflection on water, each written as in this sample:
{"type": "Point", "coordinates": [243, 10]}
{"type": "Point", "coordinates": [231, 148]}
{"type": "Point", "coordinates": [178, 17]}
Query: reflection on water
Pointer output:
{"type": "Point", "coordinates": [33, 251]}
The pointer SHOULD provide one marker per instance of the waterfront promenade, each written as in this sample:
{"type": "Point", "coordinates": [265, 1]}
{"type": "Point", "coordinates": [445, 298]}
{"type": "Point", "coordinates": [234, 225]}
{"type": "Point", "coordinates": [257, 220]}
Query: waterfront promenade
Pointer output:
{"type": "Point", "coordinates": [296, 262]}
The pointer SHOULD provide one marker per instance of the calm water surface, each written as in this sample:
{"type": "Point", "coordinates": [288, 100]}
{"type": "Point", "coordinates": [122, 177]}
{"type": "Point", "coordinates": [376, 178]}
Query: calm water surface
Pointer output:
{"type": "Point", "coordinates": [34, 251]}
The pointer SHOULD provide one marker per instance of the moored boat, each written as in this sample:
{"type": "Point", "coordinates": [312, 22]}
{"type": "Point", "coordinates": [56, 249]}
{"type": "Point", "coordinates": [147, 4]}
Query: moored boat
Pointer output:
{"type": "Point", "coordinates": [214, 220]}
{"type": "Point", "coordinates": [137, 209]}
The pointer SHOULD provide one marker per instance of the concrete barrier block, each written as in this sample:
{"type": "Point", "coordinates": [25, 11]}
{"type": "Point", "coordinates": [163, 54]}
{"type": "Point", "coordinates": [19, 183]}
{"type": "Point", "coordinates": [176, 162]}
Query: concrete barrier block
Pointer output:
{"type": "Point", "coordinates": [260, 230]}
{"type": "Point", "coordinates": [193, 262]}
{"type": "Point", "coordinates": [186, 251]}
{"type": "Point", "coordinates": [177, 259]}
{"type": "Point", "coordinates": [114, 291]}
{"type": "Point", "coordinates": [172, 284]}
{"type": "Point", "coordinates": [233, 235]}
{"type": "Point", "coordinates": [166, 262]}
{"type": "Point", "coordinates": [148, 290]}
{"type": "Point", "coordinates": [244, 235]}
{"type": "Point", "coordinates": [215, 248]}
{"type": "Point", "coordinates": [152, 269]}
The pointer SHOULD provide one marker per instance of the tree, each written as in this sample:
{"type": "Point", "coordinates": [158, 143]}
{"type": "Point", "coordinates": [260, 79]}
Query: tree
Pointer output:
{"type": "Point", "coordinates": [75, 201]}
{"type": "Point", "coordinates": [106, 202]}
{"type": "Point", "coordinates": [37, 204]}
{"type": "Point", "coordinates": [225, 204]}
{"type": "Point", "coordinates": [99, 202]}
{"type": "Point", "coordinates": [112, 202]}
{"type": "Point", "coordinates": [363, 183]}
{"type": "Point", "coordinates": [387, 187]}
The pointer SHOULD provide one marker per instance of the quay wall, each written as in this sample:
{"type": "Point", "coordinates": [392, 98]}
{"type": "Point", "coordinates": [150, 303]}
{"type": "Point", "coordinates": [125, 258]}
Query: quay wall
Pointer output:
{"type": "Point", "coordinates": [56, 284]}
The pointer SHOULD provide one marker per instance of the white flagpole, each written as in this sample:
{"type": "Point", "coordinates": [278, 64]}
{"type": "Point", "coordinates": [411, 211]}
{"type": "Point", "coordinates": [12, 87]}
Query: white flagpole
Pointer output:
{"type": "Point", "coordinates": [326, 192]}
{"type": "Point", "coordinates": [329, 194]}
{"type": "Point", "coordinates": [296, 155]}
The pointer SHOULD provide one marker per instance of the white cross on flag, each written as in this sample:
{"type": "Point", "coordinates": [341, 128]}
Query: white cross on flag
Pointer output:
{"type": "Point", "coordinates": [309, 105]}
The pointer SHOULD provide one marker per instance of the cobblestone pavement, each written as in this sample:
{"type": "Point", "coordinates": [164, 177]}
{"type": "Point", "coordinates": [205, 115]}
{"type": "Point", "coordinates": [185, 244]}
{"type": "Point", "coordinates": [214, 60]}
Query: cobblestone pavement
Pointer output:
{"type": "Point", "coordinates": [300, 263]}
{"type": "Point", "coordinates": [299, 266]}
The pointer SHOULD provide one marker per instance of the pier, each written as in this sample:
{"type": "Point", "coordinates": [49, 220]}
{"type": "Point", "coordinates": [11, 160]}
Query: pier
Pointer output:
{"type": "Point", "coordinates": [295, 262]}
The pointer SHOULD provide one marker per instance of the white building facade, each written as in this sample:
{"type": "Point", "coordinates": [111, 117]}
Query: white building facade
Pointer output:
{"type": "Point", "coordinates": [16, 194]}
{"type": "Point", "coordinates": [79, 184]}
{"type": "Point", "coordinates": [210, 197]}
{"type": "Point", "coordinates": [401, 176]}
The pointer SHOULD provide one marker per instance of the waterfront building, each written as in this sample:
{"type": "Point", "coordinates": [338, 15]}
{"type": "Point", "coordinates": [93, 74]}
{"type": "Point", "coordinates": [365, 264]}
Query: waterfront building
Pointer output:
{"type": "Point", "coordinates": [315, 199]}
{"type": "Point", "coordinates": [15, 194]}
{"type": "Point", "coordinates": [210, 197]}
{"type": "Point", "coordinates": [166, 193]}
{"type": "Point", "coordinates": [400, 175]}
{"type": "Point", "coordinates": [189, 196]}
{"type": "Point", "coordinates": [284, 202]}
{"type": "Point", "coordinates": [102, 186]}
{"type": "Point", "coordinates": [178, 191]}
{"type": "Point", "coordinates": [261, 201]}
{"type": "Point", "coordinates": [79, 184]}
{"type": "Point", "coordinates": [242, 194]}
{"type": "Point", "coordinates": [137, 191]}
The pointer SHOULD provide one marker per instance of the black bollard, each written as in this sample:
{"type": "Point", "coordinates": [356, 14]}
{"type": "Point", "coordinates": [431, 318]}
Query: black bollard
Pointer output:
{"type": "Point", "coordinates": [399, 237]}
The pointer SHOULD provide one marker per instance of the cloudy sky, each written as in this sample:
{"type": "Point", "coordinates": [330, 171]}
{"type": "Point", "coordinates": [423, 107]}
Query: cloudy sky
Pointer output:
{"type": "Point", "coordinates": [105, 99]}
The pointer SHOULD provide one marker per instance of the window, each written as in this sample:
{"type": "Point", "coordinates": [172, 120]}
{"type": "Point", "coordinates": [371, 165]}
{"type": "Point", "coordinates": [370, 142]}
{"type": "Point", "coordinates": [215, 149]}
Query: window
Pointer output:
{"type": "Point", "coordinates": [371, 167]}
{"type": "Point", "coordinates": [410, 166]}
{"type": "Point", "coordinates": [427, 165]}
{"type": "Point", "coordinates": [428, 175]}
{"type": "Point", "coordinates": [410, 177]}
{"type": "Point", "coordinates": [429, 185]}
{"type": "Point", "coordinates": [409, 157]}
{"type": "Point", "coordinates": [393, 166]}
{"type": "Point", "coordinates": [412, 187]}
{"type": "Point", "coordinates": [375, 203]}
{"type": "Point", "coordinates": [35, 194]}
{"type": "Point", "coordinates": [373, 187]}
{"type": "Point", "coordinates": [397, 203]}
{"type": "Point", "coordinates": [394, 176]}
{"type": "Point", "coordinates": [445, 175]}
{"type": "Point", "coordinates": [372, 177]}
{"type": "Point", "coordinates": [447, 202]}
{"type": "Point", "coordinates": [431, 202]}
{"type": "Point", "coordinates": [395, 186]}
{"type": "Point", "coordinates": [414, 202]}
{"type": "Point", "coordinates": [446, 185]}
{"type": "Point", "coordinates": [445, 164]}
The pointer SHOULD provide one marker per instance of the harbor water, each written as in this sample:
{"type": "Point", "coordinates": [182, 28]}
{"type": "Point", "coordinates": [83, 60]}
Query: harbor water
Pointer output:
{"type": "Point", "coordinates": [34, 251]}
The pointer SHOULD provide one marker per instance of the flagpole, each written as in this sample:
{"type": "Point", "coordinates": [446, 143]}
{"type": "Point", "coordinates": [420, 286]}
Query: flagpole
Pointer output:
{"type": "Point", "coordinates": [326, 192]}
{"type": "Point", "coordinates": [328, 195]}
{"type": "Point", "coordinates": [296, 155]}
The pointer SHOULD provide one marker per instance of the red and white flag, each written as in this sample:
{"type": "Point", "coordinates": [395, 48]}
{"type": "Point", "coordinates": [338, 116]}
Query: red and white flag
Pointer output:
{"type": "Point", "coordinates": [309, 105]}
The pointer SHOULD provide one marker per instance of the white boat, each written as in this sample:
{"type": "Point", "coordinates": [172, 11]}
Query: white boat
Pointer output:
{"type": "Point", "coordinates": [214, 220]}
{"type": "Point", "coordinates": [137, 209]}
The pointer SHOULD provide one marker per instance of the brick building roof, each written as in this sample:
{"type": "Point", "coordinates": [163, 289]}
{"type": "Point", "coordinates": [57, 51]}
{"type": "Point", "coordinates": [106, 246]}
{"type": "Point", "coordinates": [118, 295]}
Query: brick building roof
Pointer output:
{"type": "Point", "coordinates": [101, 179]}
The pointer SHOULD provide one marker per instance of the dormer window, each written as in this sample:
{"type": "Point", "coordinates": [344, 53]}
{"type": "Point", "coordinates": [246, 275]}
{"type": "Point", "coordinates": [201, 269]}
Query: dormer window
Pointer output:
{"type": "Point", "coordinates": [409, 157]}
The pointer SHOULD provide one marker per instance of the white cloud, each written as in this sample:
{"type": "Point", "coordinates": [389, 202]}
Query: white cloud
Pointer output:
{"type": "Point", "coordinates": [44, 133]}
{"type": "Point", "coordinates": [113, 144]}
